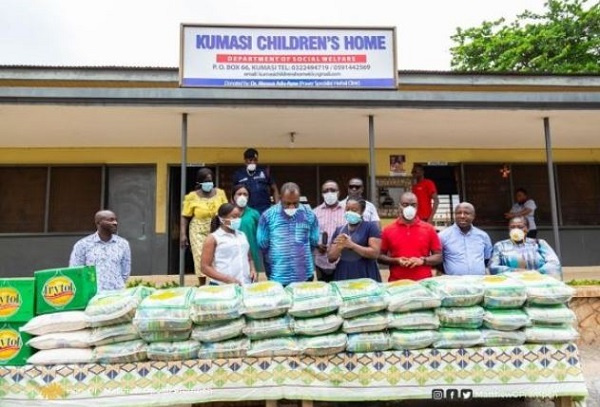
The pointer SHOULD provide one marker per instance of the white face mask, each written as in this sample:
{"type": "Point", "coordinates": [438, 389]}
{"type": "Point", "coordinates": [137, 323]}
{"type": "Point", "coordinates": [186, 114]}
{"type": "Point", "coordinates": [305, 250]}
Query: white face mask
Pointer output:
{"type": "Point", "coordinates": [290, 211]}
{"type": "Point", "coordinates": [251, 167]}
{"type": "Point", "coordinates": [409, 212]}
{"type": "Point", "coordinates": [241, 201]}
{"type": "Point", "coordinates": [330, 198]}
{"type": "Point", "coordinates": [517, 235]}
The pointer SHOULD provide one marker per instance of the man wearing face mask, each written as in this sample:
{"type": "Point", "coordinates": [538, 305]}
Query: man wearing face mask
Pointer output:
{"type": "Point", "coordinates": [520, 253]}
{"type": "Point", "coordinates": [356, 189]}
{"type": "Point", "coordinates": [330, 215]}
{"type": "Point", "coordinates": [287, 234]}
{"type": "Point", "coordinates": [258, 181]}
{"type": "Point", "coordinates": [410, 246]}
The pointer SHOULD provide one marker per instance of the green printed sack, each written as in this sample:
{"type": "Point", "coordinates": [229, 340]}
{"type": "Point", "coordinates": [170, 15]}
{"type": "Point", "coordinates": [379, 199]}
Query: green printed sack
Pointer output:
{"type": "Point", "coordinates": [402, 340]}
{"type": "Point", "coordinates": [107, 335]}
{"type": "Point", "coordinates": [165, 310]}
{"type": "Point", "coordinates": [265, 299]}
{"type": "Point", "coordinates": [311, 299]}
{"type": "Point", "coordinates": [503, 292]}
{"type": "Point", "coordinates": [233, 348]}
{"type": "Point", "coordinates": [269, 328]}
{"type": "Point", "coordinates": [323, 345]}
{"type": "Point", "coordinates": [458, 338]}
{"type": "Point", "coordinates": [368, 342]}
{"type": "Point", "coordinates": [168, 351]}
{"type": "Point", "coordinates": [360, 297]}
{"type": "Point", "coordinates": [543, 289]}
{"type": "Point", "coordinates": [505, 319]}
{"type": "Point", "coordinates": [409, 295]}
{"type": "Point", "coordinates": [551, 334]}
{"type": "Point", "coordinates": [415, 320]}
{"type": "Point", "coordinates": [274, 347]}
{"type": "Point", "coordinates": [219, 330]}
{"type": "Point", "coordinates": [550, 315]}
{"type": "Point", "coordinates": [116, 307]}
{"type": "Point", "coordinates": [216, 303]}
{"type": "Point", "coordinates": [318, 325]}
{"type": "Point", "coordinates": [366, 323]}
{"type": "Point", "coordinates": [456, 291]}
{"type": "Point", "coordinates": [492, 337]}
{"type": "Point", "coordinates": [126, 352]}
{"type": "Point", "coordinates": [165, 336]}
{"type": "Point", "coordinates": [461, 317]}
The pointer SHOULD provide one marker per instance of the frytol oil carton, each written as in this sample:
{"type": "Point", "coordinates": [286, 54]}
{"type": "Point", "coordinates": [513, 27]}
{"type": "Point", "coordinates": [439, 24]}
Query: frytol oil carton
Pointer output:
{"type": "Point", "coordinates": [13, 344]}
{"type": "Point", "coordinates": [17, 299]}
{"type": "Point", "coordinates": [64, 289]}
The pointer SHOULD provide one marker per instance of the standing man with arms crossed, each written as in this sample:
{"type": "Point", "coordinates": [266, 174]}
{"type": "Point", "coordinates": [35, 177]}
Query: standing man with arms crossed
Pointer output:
{"type": "Point", "coordinates": [524, 207]}
{"type": "Point", "coordinates": [108, 252]}
{"type": "Point", "coordinates": [258, 182]}
{"type": "Point", "coordinates": [466, 250]}
{"type": "Point", "coordinates": [330, 215]}
{"type": "Point", "coordinates": [426, 192]}
{"type": "Point", "coordinates": [410, 246]}
{"type": "Point", "coordinates": [287, 233]}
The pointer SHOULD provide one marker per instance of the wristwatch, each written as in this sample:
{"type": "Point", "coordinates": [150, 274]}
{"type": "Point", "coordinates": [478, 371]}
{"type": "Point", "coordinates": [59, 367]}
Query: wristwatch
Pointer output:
{"type": "Point", "coordinates": [424, 258]}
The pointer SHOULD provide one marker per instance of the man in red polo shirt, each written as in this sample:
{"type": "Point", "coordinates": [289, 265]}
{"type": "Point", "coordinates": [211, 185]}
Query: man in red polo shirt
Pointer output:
{"type": "Point", "coordinates": [410, 246]}
{"type": "Point", "coordinates": [426, 193]}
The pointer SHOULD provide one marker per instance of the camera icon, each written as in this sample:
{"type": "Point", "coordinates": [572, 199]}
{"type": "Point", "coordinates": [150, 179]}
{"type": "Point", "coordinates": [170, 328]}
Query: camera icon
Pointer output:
{"type": "Point", "coordinates": [437, 394]}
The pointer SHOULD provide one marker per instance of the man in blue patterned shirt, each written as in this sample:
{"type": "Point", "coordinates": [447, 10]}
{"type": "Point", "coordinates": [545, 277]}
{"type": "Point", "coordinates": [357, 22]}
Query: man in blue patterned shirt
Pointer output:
{"type": "Point", "coordinates": [105, 250]}
{"type": "Point", "coordinates": [288, 232]}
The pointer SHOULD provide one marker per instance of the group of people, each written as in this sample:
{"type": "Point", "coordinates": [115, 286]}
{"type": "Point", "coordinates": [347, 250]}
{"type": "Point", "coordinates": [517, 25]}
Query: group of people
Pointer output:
{"type": "Point", "coordinates": [263, 228]}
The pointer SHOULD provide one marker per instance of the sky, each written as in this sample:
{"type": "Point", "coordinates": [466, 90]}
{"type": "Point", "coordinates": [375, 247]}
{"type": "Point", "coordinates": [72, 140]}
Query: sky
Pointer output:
{"type": "Point", "coordinates": [146, 32]}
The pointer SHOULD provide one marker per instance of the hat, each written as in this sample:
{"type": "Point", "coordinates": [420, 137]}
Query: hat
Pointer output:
{"type": "Point", "coordinates": [250, 153]}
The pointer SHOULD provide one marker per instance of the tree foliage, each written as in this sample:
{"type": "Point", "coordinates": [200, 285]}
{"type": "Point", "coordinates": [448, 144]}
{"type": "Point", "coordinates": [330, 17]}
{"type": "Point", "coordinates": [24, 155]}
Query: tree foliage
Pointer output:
{"type": "Point", "coordinates": [564, 39]}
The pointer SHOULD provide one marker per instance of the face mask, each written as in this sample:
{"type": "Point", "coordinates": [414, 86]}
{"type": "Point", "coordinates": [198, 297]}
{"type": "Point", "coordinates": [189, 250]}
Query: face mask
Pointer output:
{"type": "Point", "coordinates": [241, 201]}
{"type": "Point", "coordinates": [409, 212]}
{"type": "Point", "coordinates": [330, 197]}
{"type": "Point", "coordinates": [207, 186]}
{"type": "Point", "coordinates": [290, 211]}
{"type": "Point", "coordinates": [235, 224]}
{"type": "Point", "coordinates": [251, 167]}
{"type": "Point", "coordinates": [352, 217]}
{"type": "Point", "coordinates": [517, 235]}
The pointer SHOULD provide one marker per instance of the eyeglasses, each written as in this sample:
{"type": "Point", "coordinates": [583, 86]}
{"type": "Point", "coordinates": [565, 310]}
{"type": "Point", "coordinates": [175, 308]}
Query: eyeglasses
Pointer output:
{"type": "Point", "coordinates": [330, 190]}
{"type": "Point", "coordinates": [354, 186]}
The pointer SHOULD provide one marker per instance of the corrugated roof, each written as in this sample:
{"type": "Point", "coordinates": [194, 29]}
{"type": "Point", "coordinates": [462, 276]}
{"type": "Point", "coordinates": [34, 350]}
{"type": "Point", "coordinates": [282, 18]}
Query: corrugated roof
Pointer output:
{"type": "Point", "coordinates": [401, 71]}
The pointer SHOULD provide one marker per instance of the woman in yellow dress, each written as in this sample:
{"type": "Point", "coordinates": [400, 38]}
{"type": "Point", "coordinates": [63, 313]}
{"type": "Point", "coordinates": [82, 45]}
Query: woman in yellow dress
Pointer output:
{"type": "Point", "coordinates": [199, 208]}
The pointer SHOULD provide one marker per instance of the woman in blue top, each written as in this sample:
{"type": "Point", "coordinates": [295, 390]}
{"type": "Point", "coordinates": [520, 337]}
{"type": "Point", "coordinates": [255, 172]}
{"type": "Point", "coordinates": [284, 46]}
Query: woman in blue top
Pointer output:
{"type": "Point", "coordinates": [355, 245]}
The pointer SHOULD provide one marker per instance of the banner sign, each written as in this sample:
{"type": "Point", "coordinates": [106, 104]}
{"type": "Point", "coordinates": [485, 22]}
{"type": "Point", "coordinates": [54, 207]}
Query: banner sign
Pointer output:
{"type": "Point", "coordinates": [278, 57]}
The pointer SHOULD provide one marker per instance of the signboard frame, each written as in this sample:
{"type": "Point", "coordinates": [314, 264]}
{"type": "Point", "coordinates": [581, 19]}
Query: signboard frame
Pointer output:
{"type": "Point", "coordinates": [337, 84]}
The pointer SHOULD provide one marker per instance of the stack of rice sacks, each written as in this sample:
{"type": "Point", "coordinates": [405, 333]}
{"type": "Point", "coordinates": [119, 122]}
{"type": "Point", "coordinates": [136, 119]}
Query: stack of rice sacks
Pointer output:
{"type": "Point", "coordinates": [316, 323]}
{"type": "Point", "coordinates": [102, 333]}
{"type": "Point", "coordinates": [550, 320]}
{"type": "Point", "coordinates": [460, 314]}
{"type": "Point", "coordinates": [217, 314]}
{"type": "Point", "coordinates": [268, 325]}
{"type": "Point", "coordinates": [164, 323]}
{"type": "Point", "coordinates": [413, 322]}
{"type": "Point", "coordinates": [363, 307]}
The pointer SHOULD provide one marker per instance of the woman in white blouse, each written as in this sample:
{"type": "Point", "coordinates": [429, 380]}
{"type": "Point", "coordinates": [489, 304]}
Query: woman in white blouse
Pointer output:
{"type": "Point", "coordinates": [226, 255]}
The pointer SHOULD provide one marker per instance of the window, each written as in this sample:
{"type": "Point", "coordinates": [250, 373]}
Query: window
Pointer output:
{"type": "Point", "coordinates": [55, 199]}
{"type": "Point", "coordinates": [579, 188]}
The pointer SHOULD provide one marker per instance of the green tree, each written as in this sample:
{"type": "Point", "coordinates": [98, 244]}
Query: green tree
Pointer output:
{"type": "Point", "coordinates": [564, 39]}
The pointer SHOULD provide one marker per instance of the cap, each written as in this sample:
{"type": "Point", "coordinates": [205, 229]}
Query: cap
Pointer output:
{"type": "Point", "coordinates": [250, 153]}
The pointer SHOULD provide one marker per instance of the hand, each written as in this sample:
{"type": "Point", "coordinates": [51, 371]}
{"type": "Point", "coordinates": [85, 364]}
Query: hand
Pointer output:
{"type": "Point", "coordinates": [341, 239]}
{"type": "Point", "coordinates": [322, 248]}
{"type": "Point", "coordinates": [183, 241]}
{"type": "Point", "coordinates": [414, 262]}
{"type": "Point", "coordinates": [402, 261]}
{"type": "Point", "coordinates": [253, 276]}
{"type": "Point", "coordinates": [508, 215]}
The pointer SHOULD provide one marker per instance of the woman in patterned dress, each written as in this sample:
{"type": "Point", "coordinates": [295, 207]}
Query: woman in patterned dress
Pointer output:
{"type": "Point", "coordinates": [199, 207]}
